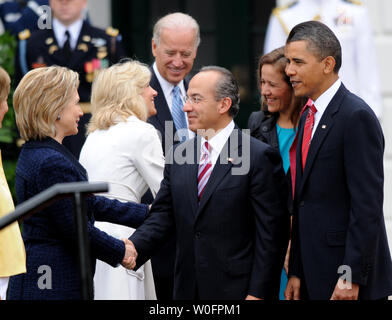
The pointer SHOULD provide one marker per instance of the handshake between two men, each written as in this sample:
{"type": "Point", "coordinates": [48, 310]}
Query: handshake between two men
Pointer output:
{"type": "Point", "coordinates": [129, 261]}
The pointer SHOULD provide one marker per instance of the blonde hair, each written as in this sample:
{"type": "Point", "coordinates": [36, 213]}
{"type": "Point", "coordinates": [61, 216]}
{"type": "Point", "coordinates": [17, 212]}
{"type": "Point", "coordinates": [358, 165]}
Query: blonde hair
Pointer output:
{"type": "Point", "coordinates": [40, 97]}
{"type": "Point", "coordinates": [5, 85]}
{"type": "Point", "coordinates": [117, 94]}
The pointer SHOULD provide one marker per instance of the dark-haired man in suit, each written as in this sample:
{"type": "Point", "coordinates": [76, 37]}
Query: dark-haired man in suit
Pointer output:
{"type": "Point", "coordinates": [225, 194]}
{"type": "Point", "coordinates": [339, 247]}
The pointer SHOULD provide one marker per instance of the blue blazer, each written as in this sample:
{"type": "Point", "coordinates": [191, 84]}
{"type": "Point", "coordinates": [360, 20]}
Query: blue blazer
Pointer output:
{"type": "Point", "coordinates": [233, 242]}
{"type": "Point", "coordinates": [50, 234]}
{"type": "Point", "coordinates": [338, 205]}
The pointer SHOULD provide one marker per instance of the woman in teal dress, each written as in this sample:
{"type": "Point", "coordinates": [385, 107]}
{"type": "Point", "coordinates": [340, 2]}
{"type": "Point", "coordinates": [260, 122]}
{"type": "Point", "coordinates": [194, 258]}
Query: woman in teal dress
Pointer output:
{"type": "Point", "coordinates": [277, 120]}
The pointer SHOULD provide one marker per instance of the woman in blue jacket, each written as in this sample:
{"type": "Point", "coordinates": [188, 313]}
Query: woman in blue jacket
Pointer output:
{"type": "Point", "coordinates": [47, 110]}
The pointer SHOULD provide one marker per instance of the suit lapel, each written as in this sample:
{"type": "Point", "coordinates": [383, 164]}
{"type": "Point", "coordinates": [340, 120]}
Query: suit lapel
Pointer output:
{"type": "Point", "coordinates": [298, 161]}
{"type": "Point", "coordinates": [221, 169]}
{"type": "Point", "coordinates": [192, 170]}
{"type": "Point", "coordinates": [163, 113]}
{"type": "Point", "coordinates": [325, 125]}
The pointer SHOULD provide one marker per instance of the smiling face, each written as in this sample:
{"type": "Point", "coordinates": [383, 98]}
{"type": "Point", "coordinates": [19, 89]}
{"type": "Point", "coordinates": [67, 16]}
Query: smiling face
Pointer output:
{"type": "Point", "coordinates": [67, 124]}
{"type": "Point", "coordinates": [307, 72]}
{"type": "Point", "coordinates": [275, 90]}
{"type": "Point", "coordinates": [149, 95]}
{"type": "Point", "coordinates": [205, 112]}
{"type": "Point", "coordinates": [175, 54]}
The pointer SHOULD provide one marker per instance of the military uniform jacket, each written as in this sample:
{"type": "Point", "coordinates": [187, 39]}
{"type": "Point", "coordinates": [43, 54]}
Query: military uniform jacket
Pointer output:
{"type": "Point", "coordinates": [95, 50]}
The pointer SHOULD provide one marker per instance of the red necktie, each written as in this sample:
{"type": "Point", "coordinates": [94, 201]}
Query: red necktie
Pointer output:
{"type": "Point", "coordinates": [309, 123]}
{"type": "Point", "coordinates": [205, 169]}
{"type": "Point", "coordinates": [293, 148]}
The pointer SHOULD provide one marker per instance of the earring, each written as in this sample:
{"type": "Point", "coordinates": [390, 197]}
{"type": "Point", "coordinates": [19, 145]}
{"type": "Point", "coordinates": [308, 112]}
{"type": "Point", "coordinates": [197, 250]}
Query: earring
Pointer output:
{"type": "Point", "coordinates": [58, 117]}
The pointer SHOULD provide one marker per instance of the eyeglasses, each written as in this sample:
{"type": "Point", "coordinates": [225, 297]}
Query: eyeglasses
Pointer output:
{"type": "Point", "coordinates": [194, 100]}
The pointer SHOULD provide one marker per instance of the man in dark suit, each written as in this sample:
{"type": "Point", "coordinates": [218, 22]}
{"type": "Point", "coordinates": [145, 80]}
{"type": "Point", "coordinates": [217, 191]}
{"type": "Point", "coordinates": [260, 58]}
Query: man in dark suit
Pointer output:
{"type": "Point", "coordinates": [339, 245]}
{"type": "Point", "coordinates": [225, 194]}
{"type": "Point", "coordinates": [73, 43]}
{"type": "Point", "coordinates": [176, 38]}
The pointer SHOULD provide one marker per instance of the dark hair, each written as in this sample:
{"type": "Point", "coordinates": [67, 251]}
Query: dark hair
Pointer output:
{"type": "Point", "coordinates": [277, 59]}
{"type": "Point", "coordinates": [226, 86]}
{"type": "Point", "coordinates": [320, 40]}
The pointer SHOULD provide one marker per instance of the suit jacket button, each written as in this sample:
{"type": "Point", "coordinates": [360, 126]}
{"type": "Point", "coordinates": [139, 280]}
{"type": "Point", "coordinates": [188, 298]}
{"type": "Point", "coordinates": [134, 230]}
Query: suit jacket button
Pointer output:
{"type": "Point", "coordinates": [264, 128]}
{"type": "Point", "coordinates": [197, 235]}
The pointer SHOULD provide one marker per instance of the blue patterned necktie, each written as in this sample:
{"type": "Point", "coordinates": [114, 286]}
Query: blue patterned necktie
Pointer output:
{"type": "Point", "coordinates": [177, 113]}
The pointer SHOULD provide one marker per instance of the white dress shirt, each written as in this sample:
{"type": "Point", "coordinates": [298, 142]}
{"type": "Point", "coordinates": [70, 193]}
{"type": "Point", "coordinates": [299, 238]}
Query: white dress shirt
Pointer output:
{"type": "Point", "coordinates": [74, 31]}
{"type": "Point", "coordinates": [167, 89]}
{"type": "Point", "coordinates": [217, 142]}
{"type": "Point", "coordinates": [322, 103]}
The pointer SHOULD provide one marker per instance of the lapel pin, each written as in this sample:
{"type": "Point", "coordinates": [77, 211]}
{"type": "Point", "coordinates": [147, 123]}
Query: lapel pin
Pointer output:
{"type": "Point", "coordinates": [323, 126]}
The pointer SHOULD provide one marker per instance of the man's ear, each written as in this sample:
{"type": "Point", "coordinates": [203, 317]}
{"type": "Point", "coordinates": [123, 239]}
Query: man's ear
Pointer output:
{"type": "Point", "coordinates": [154, 48]}
{"type": "Point", "coordinates": [225, 105]}
{"type": "Point", "coordinates": [329, 64]}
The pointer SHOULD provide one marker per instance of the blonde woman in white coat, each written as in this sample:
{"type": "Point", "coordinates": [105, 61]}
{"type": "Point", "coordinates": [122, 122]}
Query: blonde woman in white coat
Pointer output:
{"type": "Point", "coordinates": [124, 150]}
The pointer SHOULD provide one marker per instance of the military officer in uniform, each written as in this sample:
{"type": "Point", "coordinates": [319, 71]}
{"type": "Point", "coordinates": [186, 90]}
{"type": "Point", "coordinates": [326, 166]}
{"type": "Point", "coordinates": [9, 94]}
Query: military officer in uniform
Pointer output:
{"type": "Point", "coordinates": [17, 15]}
{"type": "Point", "coordinates": [349, 20]}
{"type": "Point", "coordinates": [74, 43]}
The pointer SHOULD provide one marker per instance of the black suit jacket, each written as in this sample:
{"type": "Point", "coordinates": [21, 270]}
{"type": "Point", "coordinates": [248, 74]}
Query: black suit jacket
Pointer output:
{"type": "Point", "coordinates": [262, 126]}
{"type": "Point", "coordinates": [338, 204]}
{"type": "Point", "coordinates": [233, 242]}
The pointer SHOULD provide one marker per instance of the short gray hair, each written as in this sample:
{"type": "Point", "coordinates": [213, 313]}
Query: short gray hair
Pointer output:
{"type": "Point", "coordinates": [321, 40]}
{"type": "Point", "coordinates": [226, 87]}
{"type": "Point", "coordinates": [174, 21]}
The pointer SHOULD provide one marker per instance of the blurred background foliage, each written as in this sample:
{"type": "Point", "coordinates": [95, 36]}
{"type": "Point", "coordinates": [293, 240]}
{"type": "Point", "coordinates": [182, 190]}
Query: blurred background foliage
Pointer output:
{"type": "Point", "coordinates": [8, 132]}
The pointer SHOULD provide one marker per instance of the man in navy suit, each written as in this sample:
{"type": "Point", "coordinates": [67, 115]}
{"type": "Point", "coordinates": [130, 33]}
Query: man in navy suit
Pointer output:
{"type": "Point", "coordinates": [176, 38]}
{"type": "Point", "coordinates": [225, 194]}
{"type": "Point", "coordinates": [339, 245]}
